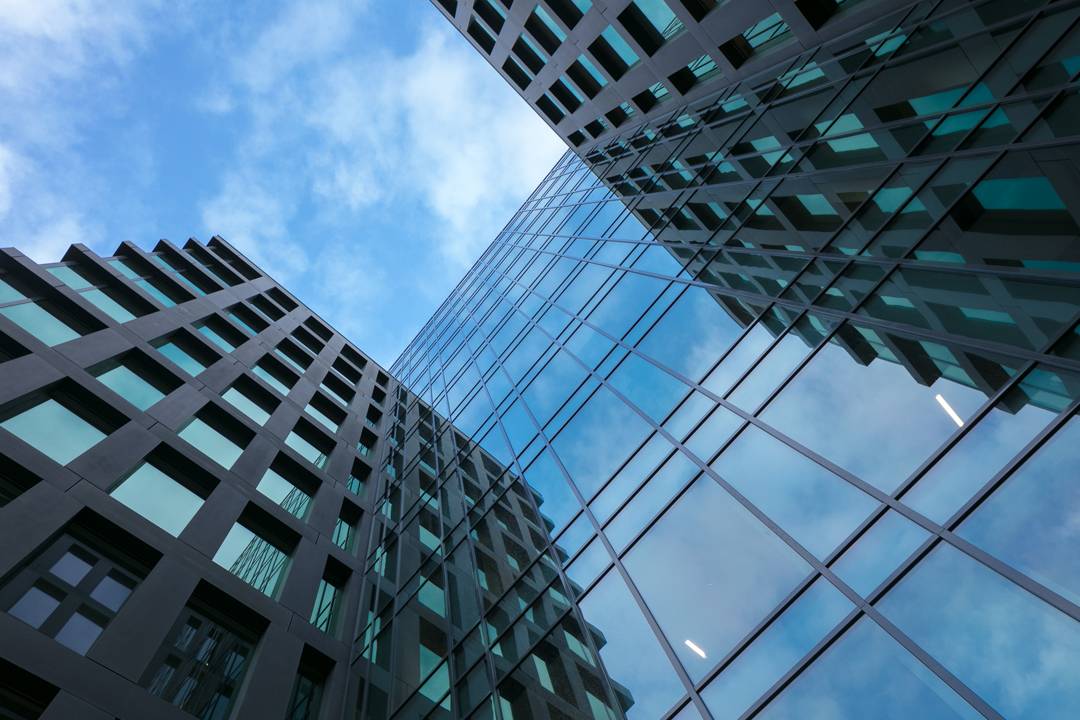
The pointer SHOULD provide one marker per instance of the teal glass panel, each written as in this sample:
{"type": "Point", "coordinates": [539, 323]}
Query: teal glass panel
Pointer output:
{"type": "Point", "coordinates": [152, 290]}
{"type": "Point", "coordinates": [1016, 652]}
{"type": "Point", "coordinates": [307, 451]}
{"type": "Point", "coordinates": [344, 532]}
{"type": "Point", "coordinates": [158, 498]}
{"type": "Point", "coordinates": [327, 601]}
{"type": "Point", "coordinates": [39, 322]}
{"type": "Point", "coordinates": [620, 46]}
{"type": "Point", "coordinates": [817, 508]}
{"type": "Point", "coordinates": [787, 639]}
{"type": "Point", "coordinates": [216, 446]}
{"type": "Point", "coordinates": [109, 306]}
{"type": "Point", "coordinates": [271, 380]}
{"type": "Point", "coordinates": [71, 277]}
{"type": "Point", "coordinates": [867, 675]}
{"type": "Point", "coordinates": [322, 418]}
{"type": "Point", "coordinates": [182, 358]}
{"type": "Point", "coordinates": [703, 560]}
{"type": "Point", "coordinates": [216, 338]}
{"type": "Point", "coordinates": [879, 551]}
{"type": "Point", "coordinates": [284, 493]}
{"type": "Point", "coordinates": [125, 268]}
{"type": "Point", "coordinates": [129, 385]}
{"type": "Point", "coordinates": [8, 293]}
{"type": "Point", "coordinates": [54, 430]}
{"type": "Point", "coordinates": [246, 405]}
{"type": "Point", "coordinates": [252, 559]}
{"type": "Point", "coordinates": [1030, 522]}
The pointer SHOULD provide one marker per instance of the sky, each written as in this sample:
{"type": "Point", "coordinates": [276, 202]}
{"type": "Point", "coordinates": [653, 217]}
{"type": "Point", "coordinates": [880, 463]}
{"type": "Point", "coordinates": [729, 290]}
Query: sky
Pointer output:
{"type": "Point", "coordinates": [361, 152]}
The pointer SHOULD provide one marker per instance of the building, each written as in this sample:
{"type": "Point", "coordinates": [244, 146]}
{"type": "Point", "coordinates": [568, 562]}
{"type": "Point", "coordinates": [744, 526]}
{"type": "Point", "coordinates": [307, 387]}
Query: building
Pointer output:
{"type": "Point", "coordinates": [763, 406]}
{"type": "Point", "coordinates": [186, 455]}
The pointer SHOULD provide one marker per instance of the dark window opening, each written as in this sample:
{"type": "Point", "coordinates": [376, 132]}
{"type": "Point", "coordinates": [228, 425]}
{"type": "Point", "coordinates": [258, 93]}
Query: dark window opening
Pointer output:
{"type": "Point", "coordinates": [481, 36]}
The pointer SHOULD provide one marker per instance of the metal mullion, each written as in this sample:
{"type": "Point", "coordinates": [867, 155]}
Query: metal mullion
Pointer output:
{"type": "Point", "coordinates": [541, 435]}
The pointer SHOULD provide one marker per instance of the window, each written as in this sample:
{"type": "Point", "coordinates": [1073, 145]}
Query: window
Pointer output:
{"type": "Point", "coordinates": [185, 352]}
{"type": "Point", "coordinates": [56, 425]}
{"type": "Point", "coordinates": [308, 340]}
{"type": "Point", "coordinates": [545, 30]}
{"type": "Point", "coordinates": [282, 299]}
{"type": "Point", "coordinates": [201, 664]}
{"type": "Point", "coordinates": [214, 437]}
{"type": "Point", "coordinates": [178, 272]}
{"type": "Point", "coordinates": [272, 312]}
{"type": "Point", "coordinates": [338, 390]}
{"type": "Point", "coordinates": [254, 554]}
{"type": "Point", "coordinates": [757, 39]}
{"type": "Point", "coordinates": [354, 357]}
{"type": "Point", "coordinates": [326, 412]}
{"type": "Point", "coordinates": [345, 530]}
{"type": "Point", "coordinates": [250, 399]}
{"type": "Point", "coordinates": [311, 444]}
{"type": "Point", "coordinates": [586, 76]}
{"type": "Point", "coordinates": [135, 379]}
{"type": "Point", "coordinates": [219, 270]}
{"type": "Point", "coordinates": [40, 318]}
{"type": "Point", "coordinates": [292, 355]}
{"type": "Point", "coordinates": [97, 292]}
{"type": "Point", "coordinates": [327, 609]}
{"type": "Point", "coordinates": [246, 319]}
{"type": "Point", "coordinates": [613, 53]}
{"type": "Point", "coordinates": [306, 697]}
{"type": "Point", "coordinates": [358, 478]}
{"type": "Point", "coordinates": [73, 588]}
{"type": "Point", "coordinates": [367, 443]}
{"type": "Point", "coordinates": [651, 23]}
{"type": "Point", "coordinates": [275, 374]}
{"type": "Point", "coordinates": [160, 491]}
{"type": "Point", "coordinates": [289, 486]}
{"type": "Point", "coordinates": [347, 371]}
{"type": "Point", "coordinates": [220, 333]}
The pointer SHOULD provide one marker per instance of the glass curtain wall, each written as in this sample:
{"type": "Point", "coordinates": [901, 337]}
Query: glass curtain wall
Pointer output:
{"type": "Point", "coordinates": [764, 410]}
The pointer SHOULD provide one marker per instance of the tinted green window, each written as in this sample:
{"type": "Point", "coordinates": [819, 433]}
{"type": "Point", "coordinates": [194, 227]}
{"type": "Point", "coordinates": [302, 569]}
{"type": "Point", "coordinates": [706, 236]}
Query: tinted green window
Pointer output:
{"type": "Point", "coordinates": [39, 322]}
{"type": "Point", "coordinates": [126, 269]}
{"type": "Point", "coordinates": [324, 614]}
{"type": "Point", "coordinates": [322, 418]}
{"type": "Point", "coordinates": [71, 277]}
{"type": "Point", "coordinates": [8, 293]}
{"type": "Point", "coordinates": [155, 293]}
{"type": "Point", "coordinates": [54, 430]}
{"type": "Point", "coordinates": [285, 493]}
{"type": "Point", "coordinates": [252, 559]}
{"type": "Point", "coordinates": [273, 381]}
{"type": "Point", "coordinates": [158, 498]}
{"type": "Point", "coordinates": [308, 451]}
{"type": "Point", "coordinates": [217, 339]}
{"type": "Point", "coordinates": [218, 447]}
{"type": "Point", "coordinates": [245, 405]}
{"type": "Point", "coordinates": [129, 385]}
{"type": "Point", "coordinates": [108, 305]}
{"type": "Point", "coordinates": [182, 358]}
{"type": "Point", "coordinates": [343, 535]}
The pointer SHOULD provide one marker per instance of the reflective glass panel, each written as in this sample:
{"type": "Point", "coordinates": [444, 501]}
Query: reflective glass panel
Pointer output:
{"type": "Point", "coordinates": [131, 386]}
{"type": "Point", "coordinates": [252, 559]}
{"type": "Point", "coordinates": [54, 430]}
{"type": "Point", "coordinates": [158, 498]}
{"type": "Point", "coordinates": [215, 445]}
{"type": "Point", "coordinates": [39, 322]}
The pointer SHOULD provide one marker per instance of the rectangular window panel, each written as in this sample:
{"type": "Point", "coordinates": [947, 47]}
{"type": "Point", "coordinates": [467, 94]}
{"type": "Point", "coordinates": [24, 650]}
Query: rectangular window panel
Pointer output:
{"type": "Point", "coordinates": [239, 400]}
{"type": "Point", "coordinates": [158, 497]}
{"type": "Point", "coordinates": [55, 430]}
{"type": "Point", "coordinates": [211, 441]}
{"type": "Point", "coordinates": [284, 493]}
{"type": "Point", "coordinates": [327, 604]}
{"type": "Point", "coordinates": [40, 322]}
{"type": "Point", "coordinates": [252, 559]}
{"type": "Point", "coordinates": [130, 384]}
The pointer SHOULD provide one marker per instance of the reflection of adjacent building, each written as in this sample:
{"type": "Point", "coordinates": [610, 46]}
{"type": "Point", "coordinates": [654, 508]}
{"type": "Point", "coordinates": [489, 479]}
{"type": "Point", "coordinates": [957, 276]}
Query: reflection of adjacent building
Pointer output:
{"type": "Point", "coordinates": [463, 561]}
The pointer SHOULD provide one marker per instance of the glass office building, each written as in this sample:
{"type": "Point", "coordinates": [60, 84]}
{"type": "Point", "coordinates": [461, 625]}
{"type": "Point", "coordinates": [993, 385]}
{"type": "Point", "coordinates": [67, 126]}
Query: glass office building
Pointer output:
{"type": "Point", "coordinates": [763, 405]}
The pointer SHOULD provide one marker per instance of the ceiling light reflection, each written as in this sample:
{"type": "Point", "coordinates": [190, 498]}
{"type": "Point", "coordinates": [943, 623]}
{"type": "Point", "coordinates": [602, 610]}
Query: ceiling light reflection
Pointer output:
{"type": "Point", "coordinates": [696, 649]}
{"type": "Point", "coordinates": [952, 413]}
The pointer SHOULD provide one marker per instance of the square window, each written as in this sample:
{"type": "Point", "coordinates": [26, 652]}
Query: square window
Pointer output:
{"type": "Point", "coordinates": [279, 485]}
{"type": "Point", "coordinates": [250, 399]}
{"type": "Point", "coordinates": [159, 497]}
{"type": "Point", "coordinates": [54, 428]}
{"type": "Point", "coordinates": [217, 442]}
{"type": "Point", "coordinates": [275, 374]}
{"type": "Point", "coordinates": [132, 378]}
{"type": "Point", "coordinates": [43, 321]}
{"type": "Point", "coordinates": [187, 353]}
{"type": "Point", "coordinates": [253, 559]}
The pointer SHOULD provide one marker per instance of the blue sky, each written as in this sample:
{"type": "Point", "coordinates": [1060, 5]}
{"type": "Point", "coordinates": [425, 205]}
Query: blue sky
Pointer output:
{"type": "Point", "coordinates": [362, 152]}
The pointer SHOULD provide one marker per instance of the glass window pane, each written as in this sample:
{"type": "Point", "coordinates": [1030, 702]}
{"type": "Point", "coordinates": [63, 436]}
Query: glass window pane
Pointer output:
{"type": "Point", "coordinates": [787, 639]}
{"type": "Point", "coordinates": [631, 653]}
{"type": "Point", "coordinates": [111, 592]}
{"type": "Point", "coordinates": [79, 633]}
{"type": "Point", "coordinates": [35, 606]}
{"type": "Point", "coordinates": [157, 497]}
{"type": "Point", "coordinates": [307, 451]}
{"type": "Point", "coordinates": [879, 551]}
{"type": "Point", "coordinates": [1015, 420]}
{"type": "Point", "coordinates": [870, 403]}
{"type": "Point", "coordinates": [708, 558]}
{"type": "Point", "coordinates": [129, 385]}
{"type": "Point", "coordinates": [252, 559]}
{"type": "Point", "coordinates": [39, 322]}
{"type": "Point", "coordinates": [71, 568]}
{"type": "Point", "coordinates": [817, 508]}
{"type": "Point", "coordinates": [1030, 522]}
{"type": "Point", "coordinates": [866, 674]}
{"type": "Point", "coordinates": [54, 430]}
{"type": "Point", "coordinates": [211, 442]}
{"type": "Point", "coordinates": [245, 405]}
{"type": "Point", "coordinates": [8, 292]}
{"type": "Point", "coordinates": [284, 493]}
{"type": "Point", "coordinates": [108, 305]}
{"type": "Point", "coordinates": [182, 358]}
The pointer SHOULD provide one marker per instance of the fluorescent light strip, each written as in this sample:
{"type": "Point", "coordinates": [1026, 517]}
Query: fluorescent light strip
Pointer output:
{"type": "Point", "coordinates": [696, 649]}
{"type": "Point", "coordinates": [952, 413]}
